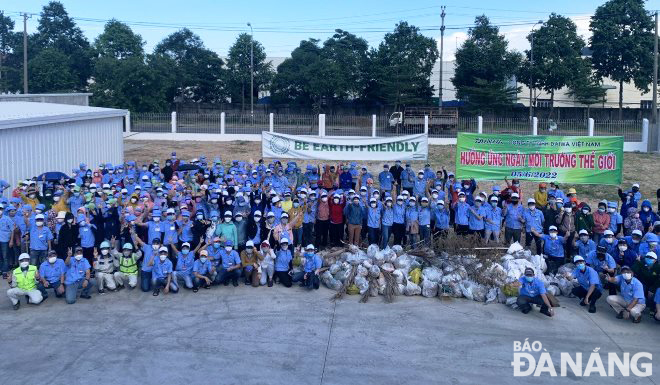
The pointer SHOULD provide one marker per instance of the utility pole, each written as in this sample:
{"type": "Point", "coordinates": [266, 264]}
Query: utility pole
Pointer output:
{"type": "Point", "coordinates": [531, 77]}
{"type": "Point", "coordinates": [251, 70]}
{"type": "Point", "coordinates": [25, 68]}
{"type": "Point", "coordinates": [654, 134]}
{"type": "Point", "coordinates": [442, 46]}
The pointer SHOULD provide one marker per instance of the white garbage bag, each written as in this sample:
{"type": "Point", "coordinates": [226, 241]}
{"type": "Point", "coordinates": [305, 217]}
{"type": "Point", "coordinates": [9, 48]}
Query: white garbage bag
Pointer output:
{"type": "Point", "coordinates": [514, 248]}
{"type": "Point", "coordinates": [334, 268]}
{"type": "Point", "coordinates": [429, 288]}
{"type": "Point", "coordinates": [362, 284]}
{"type": "Point", "coordinates": [412, 289]}
{"type": "Point", "coordinates": [362, 271]}
{"type": "Point", "coordinates": [397, 249]}
{"type": "Point", "coordinates": [432, 274]}
{"type": "Point", "coordinates": [374, 271]}
{"type": "Point", "coordinates": [372, 250]}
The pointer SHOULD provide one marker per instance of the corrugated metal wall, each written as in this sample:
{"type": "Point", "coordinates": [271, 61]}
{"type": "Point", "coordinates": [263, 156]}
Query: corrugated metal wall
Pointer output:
{"type": "Point", "coordinates": [29, 151]}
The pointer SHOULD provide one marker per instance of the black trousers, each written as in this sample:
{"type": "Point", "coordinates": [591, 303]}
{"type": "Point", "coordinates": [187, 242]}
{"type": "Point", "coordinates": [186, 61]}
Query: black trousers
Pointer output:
{"type": "Point", "coordinates": [524, 302]}
{"type": "Point", "coordinates": [553, 264]}
{"type": "Point", "coordinates": [462, 229]}
{"type": "Point", "coordinates": [537, 241]}
{"type": "Point", "coordinates": [284, 278]}
{"type": "Point", "coordinates": [399, 231]}
{"type": "Point", "coordinates": [336, 232]}
{"type": "Point", "coordinates": [308, 229]}
{"type": "Point", "coordinates": [321, 230]}
{"type": "Point", "coordinates": [581, 292]}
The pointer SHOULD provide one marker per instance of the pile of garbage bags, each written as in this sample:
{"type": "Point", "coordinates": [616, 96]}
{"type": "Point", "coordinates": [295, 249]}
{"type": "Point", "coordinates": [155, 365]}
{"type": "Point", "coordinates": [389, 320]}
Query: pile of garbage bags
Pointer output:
{"type": "Point", "coordinates": [393, 271]}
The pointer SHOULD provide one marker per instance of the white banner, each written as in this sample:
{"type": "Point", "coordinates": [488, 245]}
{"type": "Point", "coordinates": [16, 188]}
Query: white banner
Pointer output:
{"type": "Point", "coordinates": [409, 147]}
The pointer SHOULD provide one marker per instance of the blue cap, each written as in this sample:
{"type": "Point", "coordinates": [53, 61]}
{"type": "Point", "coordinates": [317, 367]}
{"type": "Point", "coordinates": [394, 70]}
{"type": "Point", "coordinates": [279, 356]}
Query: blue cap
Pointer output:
{"type": "Point", "coordinates": [58, 193]}
{"type": "Point", "coordinates": [185, 214]}
{"type": "Point", "coordinates": [83, 165]}
{"type": "Point", "coordinates": [131, 217]}
{"type": "Point", "coordinates": [40, 206]}
{"type": "Point", "coordinates": [214, 214]}
{"type": "Point", "coordinates": [229, 243]}
{"type": "Point", "coordinates": [611, 205]}
{"type": "Point", "coordinates": [10, 207]}
{"type": "Point", "coordinates": [496, 188]}
{"type": "Point", "coordinates": [15, 200]}
{"type": "Point", "coordinates": [155, 213]}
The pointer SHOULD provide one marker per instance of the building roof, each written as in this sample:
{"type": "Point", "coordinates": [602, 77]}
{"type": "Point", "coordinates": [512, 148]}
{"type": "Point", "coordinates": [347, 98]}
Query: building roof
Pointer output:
{"type": "Point", "coordinates": [21, 114]}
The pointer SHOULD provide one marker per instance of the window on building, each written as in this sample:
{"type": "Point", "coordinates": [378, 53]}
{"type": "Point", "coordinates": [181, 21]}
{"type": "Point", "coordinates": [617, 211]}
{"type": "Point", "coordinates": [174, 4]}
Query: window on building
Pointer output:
{"type": "Point", "coordinates": [543, 103]}
{"type": "Point", "coordinates": [646, 104]}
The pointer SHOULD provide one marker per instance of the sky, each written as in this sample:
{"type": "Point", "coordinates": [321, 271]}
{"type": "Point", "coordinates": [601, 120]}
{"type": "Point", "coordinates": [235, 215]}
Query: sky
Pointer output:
{"type": "Point", "coordinates": [281, 25]}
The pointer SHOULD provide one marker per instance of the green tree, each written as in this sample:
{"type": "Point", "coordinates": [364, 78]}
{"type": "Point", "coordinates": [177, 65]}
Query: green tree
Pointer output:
{"type": "Point", "coordinates": [401, 68]}
{"type": "Point", "coordinates": [484, 60]}
{"type": "Point", "coordinates": [349, 55]}
{"type": "Point", "coordinates": [56, 30]}
{"type": "Point", "coordinates": [118, 41]}
{"type": "Point", "coordinates": [557, 50]}
{"type": "Point", "coordinates": [197, 72]}
{"type": "Point", "coordinates": [622, 44]}
{"type": "Point", "coordinates": [6, 38]}
{"type": "Point", "coordinates": [585, 87]}
{"type": "Point", "coordinates": [238, 65]}
{"type": "Point", "coordinates": [51, 71]}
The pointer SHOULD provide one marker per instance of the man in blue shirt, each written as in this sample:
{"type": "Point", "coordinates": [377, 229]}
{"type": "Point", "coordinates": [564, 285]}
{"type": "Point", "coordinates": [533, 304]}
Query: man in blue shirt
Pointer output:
{"type": "Point", "coordinates": [184, 265]}
{"type": "Point", "coordinates": [513, 219]}
{"type": "Point", "coordinates": [385, 180]}
{"type": "Point", "coordinates": [532, 291]}
{"type": "Point", "coordinates": [77, 277]}
{"type": "Point", "coordinates": [40, 240]}
{"type": "Point", "coordinates": [631, 301]}
{"type": "Point", "coordinates": [52, 273]}
{"type": "Point", "coordinates": [7, 227]}
{"type": "Point", "coordinates": [309, 277]}
{"type": "Point", "coordinates": [590, 288]}
{"type": "Point", "coordinates": [283, 258]}
{"type": "Point", "coordinates": [534, 221]}
{"type": "Point", "coordinates": [161, 275]}
{"type": "Point", "coordinates": [553, 248]}
{"type": "Point", "coordinates": [202, 272]}
{"type": "Point", "coordinates": [584, 243]}
{"type": "Point", "coordinates": [231, 265]}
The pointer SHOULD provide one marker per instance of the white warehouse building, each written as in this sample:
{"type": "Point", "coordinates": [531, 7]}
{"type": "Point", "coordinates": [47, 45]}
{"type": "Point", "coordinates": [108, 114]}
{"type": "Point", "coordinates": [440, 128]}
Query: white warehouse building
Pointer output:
{"type": "Point", "coordinates": [41, 137]}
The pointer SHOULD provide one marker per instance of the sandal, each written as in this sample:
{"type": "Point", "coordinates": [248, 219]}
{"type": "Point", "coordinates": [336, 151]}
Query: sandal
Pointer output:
{"type": "Point", "coordinates": [195, 290]}
{"type": "Point", "coordinates": [156, 292]}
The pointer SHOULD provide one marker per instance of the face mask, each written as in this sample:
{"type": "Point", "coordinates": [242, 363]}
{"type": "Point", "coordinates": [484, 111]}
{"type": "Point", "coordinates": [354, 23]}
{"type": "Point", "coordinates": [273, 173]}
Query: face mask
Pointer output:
{"type": "Point", "coordinates": [284, 221]}
{"type": "Point", "coordinates": [646, 209]}
{"type": "Point", "coordinates": [336, 200]}
{"type": "Point", "coordinates": [78, 257]}
{"type": "Point", "coordinates": [532, 207]}
{"type": "Point", "coordinates": [163, 257]}
{"type": "Point", "coordinates": [635, 240]}
{"type": "Point", "coordinates": [69, 221]}
{"type": "Point", "coordinates": [229, 202]}
{"type": "Point", "coordinates": [185, 251]}
{"type": "Point", "coordinates": [249, 250]}
{"type": "Point", "coordinates": [611, 210]}
{"type": "Point", "coordinates": [373, 205]}
{"type": "Point", "coordinates": [40, 223]}
{"type": "Point", "coordinates": [623, 248]}
{"type": "Point", "coordinates": [155, 246]}
{"type": "Point", "coordinates": [584, 239]}
{"type": "Point", "coordinates": [216, 245]}
{"type": "Point", "coordinates": [228, 248]}
{"type": "Point", "coordinates": [52, 260]}
{"type": "Point", "coordinates": [257, 201]}
{"type": "Point", "coordinates": [104, 251]}
{"type": "Point", "coordinates": [582, 267]}
{"type": "Point", "coordinates": [25, 264]}
{"type": "Point", "coordinates": [32, 196]}
{"type": "Point", "coordinates": [649, 261]}
{"type": "Point", "coordinates": [553, 235]}
{"type": "Point", "coordinates": [126, 253]}
{"type": "Point", "coordinates": [134, 200]}
{"type": "Point", "coordinates": [227, 219]}
{"type": "Point", "coordinates": [551, 202]}
{"type": "Point", "coordinates": [296, 204]}
{"type": "Point", "coordinates": [324, 199]}
{"type": "Point", "coordinates": [170, 217]}
{"type": "Point", "coordinates": [568, 209]}
{"type": "Point", "coordinates": [601, 209]}
{"type": "Point", "coordinates": [494, 204]}
{"type": "Point", "coordinates": [56, 199]}
{"type": "Point", "coordinates": [203, 259]}
{"type": "Point", "coordinates": [285, 246]}
{"type": "Point", "coordinates": [59, 220]}
{"type": "Point", "coordinates": [200, 217]}
{"type": "Point", "coordinates": [463, 200]}
{"type": "Point", "coordinates": [627, 276]}
{"type": "Point", "coordinates": [435, 196]}
{"type": "Point", "coordinates": [238, 219]}
{"type": "Point", "coordinates": [214, 201]}
{"type": "Point", "coordinates": [529, 279]}
{"type": "Point", "coordinates": [156, 219]}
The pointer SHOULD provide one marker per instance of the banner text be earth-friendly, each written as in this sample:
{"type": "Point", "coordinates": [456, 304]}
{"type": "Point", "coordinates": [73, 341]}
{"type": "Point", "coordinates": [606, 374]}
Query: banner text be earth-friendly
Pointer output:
{"type": "Point", "coordinates": [382, 147]}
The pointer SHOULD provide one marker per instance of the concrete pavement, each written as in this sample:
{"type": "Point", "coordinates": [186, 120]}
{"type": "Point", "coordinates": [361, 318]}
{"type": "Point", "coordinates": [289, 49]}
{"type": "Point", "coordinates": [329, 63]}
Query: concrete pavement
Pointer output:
{"type": "Point", "coordinates": [276, 335]}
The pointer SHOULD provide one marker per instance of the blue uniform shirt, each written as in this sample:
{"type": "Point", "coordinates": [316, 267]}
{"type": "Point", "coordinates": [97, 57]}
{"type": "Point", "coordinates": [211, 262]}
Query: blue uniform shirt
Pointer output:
{"type": "Point", "coordinates": [385, 179]}
{"type": "Point", "coordinates": [419, 187]}
{"type": "Point", "coordinates": [585, 249]}
{"type": "Point", "coordinates": [282, 259]}
{"type": "Point", "coordinates": [424, 217]}
{"type": "Point", "coordinates": [161, 269]}
{"type": "Point", "coordinates": [373, 216]}
{"type": "Point", "coordinates": [461, 209]}
{"type": "Point", "coordinates": [7, 225]}
{"type": "Point", "coordinates": [215, 254]}
{"type": "Point", "coordinates": [312, 262]}
{"type": "Point", "coordinates": [512, 214]}
{"type": "Point", "coordinates": [531, 289]}
{"type": "Point", "coordinates": [184, 263]}
{"type": "Point", "coordinates": [148, 253]}
{"type": "Point", "coordinates": [39, 238]}
{"type": "Point", "coordinates": [154, 230]}
{"type": "Point", "coordinates": [632, 290]}
{"type": "Point", "coordinates": [52, 273]}
{"type": "Point", "coordinates": [171, 236]}
{"type": "Point", "coordinates": [533, 220]}
{"type": "Point", "coordinates": [201, 268]}
{"type": "Point", "coordinates": [76, 270]}
{"type": "Point", "coordinates": [615, 220]}
{"type": "Point", "coordinates": [399, 213]}
{"type": "Point", "coordinates": [86, 233]}
{"type": "Point", "coordinates": [553, 248]}
{"type": "Point", "coordinates": [441, 217]}
{"type": "Point", "coordinates": [186, 230]}
{"type": "Point", "coordinates": [587, 278]}
{"type": "Point", "coordinates": [495, 217]}
{"type": "Point", "coordinates": [473, 221]}
{"type": "Point", "coordinates": [407, 178]}
{"type": "Point", "coordinates": [388, 216]}
{"type": "Point", "coordinates": [593, 261]}
{"type": "Point", "coordinates": [230, 259]}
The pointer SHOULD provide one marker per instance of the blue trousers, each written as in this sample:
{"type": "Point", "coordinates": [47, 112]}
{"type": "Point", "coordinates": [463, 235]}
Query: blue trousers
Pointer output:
{"type": "Point", "coordinates": [71, 290]}
{"type": "Point", "coordinates": [145, 280]}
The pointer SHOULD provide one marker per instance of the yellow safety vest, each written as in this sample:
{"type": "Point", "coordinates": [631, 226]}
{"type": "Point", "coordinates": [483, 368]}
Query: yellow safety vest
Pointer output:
{"type": "Point", "coordinates": [128, 265]}
{"type": "Point", "coordinates": [27, 281]}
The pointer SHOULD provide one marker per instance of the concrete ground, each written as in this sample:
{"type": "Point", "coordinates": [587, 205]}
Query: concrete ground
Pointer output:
{"type": "Point", "coordinates": [276, 335]}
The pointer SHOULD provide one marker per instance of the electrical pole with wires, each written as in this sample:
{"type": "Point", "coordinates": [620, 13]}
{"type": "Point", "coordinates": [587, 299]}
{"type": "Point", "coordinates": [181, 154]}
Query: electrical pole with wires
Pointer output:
{"type": "Point", "coordinates": [442, 46]}
{"type": "Point", "coordinates": [654, 134]}
{"type": "Point", "coordinates": [25, 55]}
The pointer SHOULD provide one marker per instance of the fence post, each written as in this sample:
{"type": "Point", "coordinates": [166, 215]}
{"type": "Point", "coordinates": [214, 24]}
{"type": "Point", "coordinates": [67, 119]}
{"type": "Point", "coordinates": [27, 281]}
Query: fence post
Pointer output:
{"type": "Point", "coordinates": [591, 127]}
{"type": "Point", "coordinates": [373, 125]}
{"type": "Point", "coordinates": [535, 126]}
{"type": "Point", "coordinates": [645, 133]}
{"type": "Point", "coordinates": [321, 125]}
{"type": "Point", "coordinates": [480, 124]}
{"type": "Point", "coordinates": [426, 124]}
{"type": "Point", "coordinates": [271, 122]}
{"type": "Point", "coordinates": [127, 120]}
{"type": "Point", "coordinates": [222, 123]}
{"type": "Point", "coordinates": [173, 121]}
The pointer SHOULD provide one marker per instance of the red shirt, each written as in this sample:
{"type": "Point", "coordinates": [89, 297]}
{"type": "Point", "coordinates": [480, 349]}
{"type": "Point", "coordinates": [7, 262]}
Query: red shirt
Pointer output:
{"type": "Point", "coordinates": [337, 211]}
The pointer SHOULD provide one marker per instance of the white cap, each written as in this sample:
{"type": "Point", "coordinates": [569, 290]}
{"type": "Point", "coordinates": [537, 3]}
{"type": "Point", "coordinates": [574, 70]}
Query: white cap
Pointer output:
{"type": "Point", "coordinates": [652, 255]}
{"type": "Point", "coordinates": [228, 214]}
{"type": "Point", "coordinates": [583, 231]}
{"type": "Point", "coordinates": [162, 248]}
{"type": "Point", "coordinates": [284, 215]}
{"type": "Point", "coordinates": [170, 211]}
{"type": "Point", "coordinates": [270, 214]}
{"type": "Point", "coordinates": [39, 216]}
{"type": "Point", "coordinates": [185, 244]}
{"type": "Point", "coordinates": [284, 240]}
{"type": "Point", "coordinates": [24, 256]}
{"type": "Point", "coordinates": [577, 258]}
{"type": "Point", "coordinates": [276, 199]}
{"type": "Point", "coordinates": [413, 198]}
{"type": "Point", "coordinates": [61, 215]}
{"type": "Point", "coordinates": [92, 185]}
{"type": "Point", "coordinates": [635, 184]}
{"type": "Point", "coordinates": [637, 232]}
{"type": "Point", "coordinates": [257, 212]}
{"type": "Point", "coordinates": [608, 232]}
{"type": "Point", "coordinates": [310, 247]}
{"type": "Point", "coordinates": [552, 228]}
{"type": "Point", "coordinates": [530, 200]}
{"type": "Point", "coordinates": [440, 202]}
{"type": "Point", "coordinates": [249, 244]}
{"type": "Point", "coordinates": [515, 195]}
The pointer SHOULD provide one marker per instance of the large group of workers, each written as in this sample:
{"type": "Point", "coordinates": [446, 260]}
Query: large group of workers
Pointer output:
{"type": "Point", "coordinates": [202, 223]}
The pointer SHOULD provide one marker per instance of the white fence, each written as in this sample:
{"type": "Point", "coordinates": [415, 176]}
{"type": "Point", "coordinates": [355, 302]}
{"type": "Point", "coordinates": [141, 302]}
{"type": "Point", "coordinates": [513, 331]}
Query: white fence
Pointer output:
{"type": "Point", "coordinates": [228, 127]}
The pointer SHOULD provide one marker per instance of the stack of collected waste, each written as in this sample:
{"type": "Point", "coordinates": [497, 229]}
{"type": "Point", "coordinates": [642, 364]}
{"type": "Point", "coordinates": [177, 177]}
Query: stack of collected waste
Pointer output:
{"type": "Point", "coordinates": [395, 271]}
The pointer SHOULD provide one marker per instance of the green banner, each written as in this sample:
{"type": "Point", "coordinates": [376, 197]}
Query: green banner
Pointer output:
{"type": "Point", "coordinates": [566, 159]}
